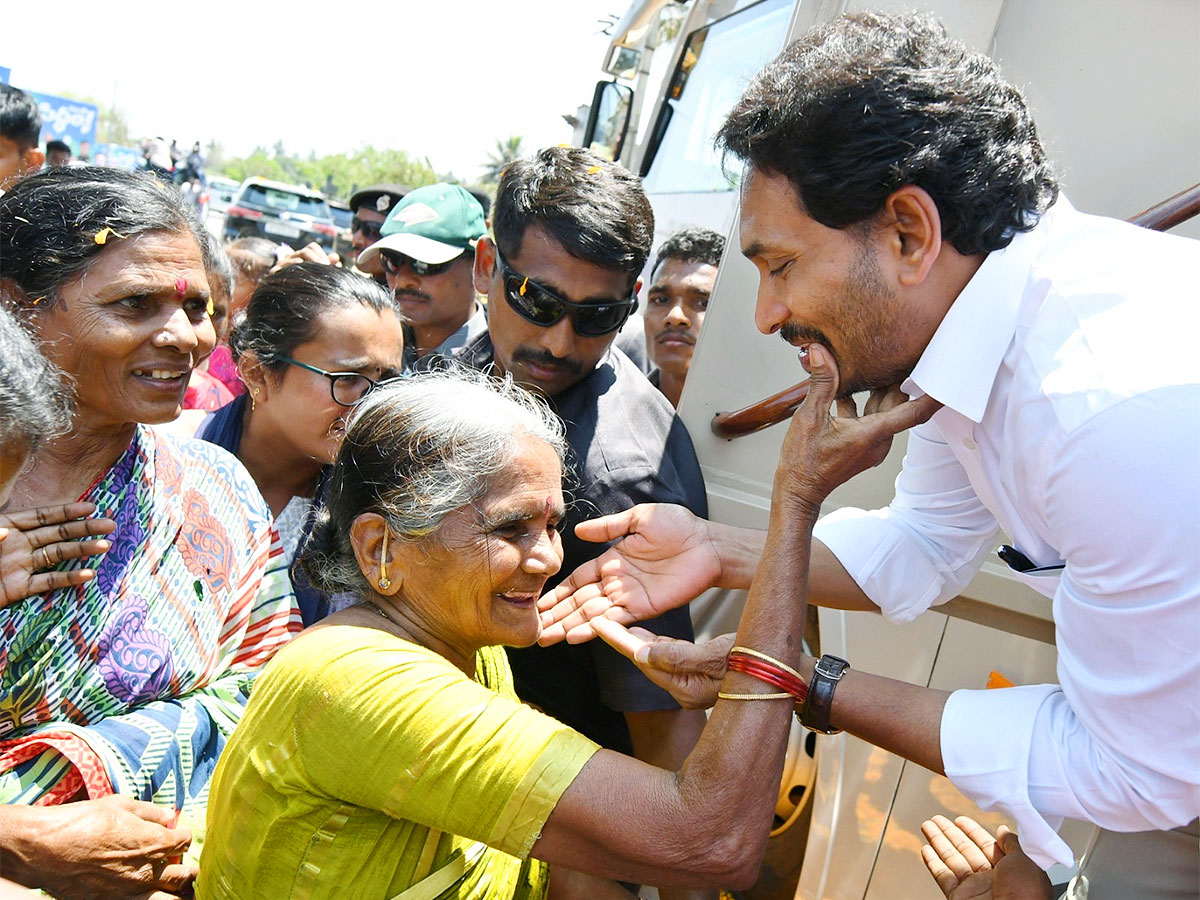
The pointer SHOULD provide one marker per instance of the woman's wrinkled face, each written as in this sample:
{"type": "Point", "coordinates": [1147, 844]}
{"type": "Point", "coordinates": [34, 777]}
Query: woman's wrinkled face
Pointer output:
{"type": "Point", "coordinates": [298, 403]}
{"type": "Point", "coordinates": [477, 579]}
{"type": "Point", "coordinates": [130, 330]}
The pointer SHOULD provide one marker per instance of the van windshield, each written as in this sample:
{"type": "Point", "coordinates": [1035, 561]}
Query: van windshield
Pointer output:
{"type": "Point", "coordinates": [717, 64]}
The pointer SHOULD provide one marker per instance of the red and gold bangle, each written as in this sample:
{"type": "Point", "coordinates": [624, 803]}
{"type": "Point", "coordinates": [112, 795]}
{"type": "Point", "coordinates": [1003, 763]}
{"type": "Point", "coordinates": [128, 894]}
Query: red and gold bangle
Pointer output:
{"type": "Point", "coordinates": [769, 670]}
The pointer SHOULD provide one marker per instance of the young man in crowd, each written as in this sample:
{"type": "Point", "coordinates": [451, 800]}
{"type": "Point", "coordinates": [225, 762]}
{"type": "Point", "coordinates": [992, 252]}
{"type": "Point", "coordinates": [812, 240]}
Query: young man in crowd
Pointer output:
{"type": "Point", "coordinates": [572, 233]}
{"type": "Point", "coordinates": [681, 282]}
{"type": "Point", "coordinates": [924, 251]}
{"type": "Point", "coordinates": [426, 251]}
{"type": "Point", "coordinates": [20, 133]}
{"type": "Point", "coordinates": [58, 153]}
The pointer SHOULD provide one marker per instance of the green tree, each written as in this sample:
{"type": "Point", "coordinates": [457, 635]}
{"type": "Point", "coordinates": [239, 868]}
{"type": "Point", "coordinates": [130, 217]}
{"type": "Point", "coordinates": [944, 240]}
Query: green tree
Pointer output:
{"type": "Point", "coordinates": [506, 152]}
{"type": "Point", "coordinates": [336, 174]}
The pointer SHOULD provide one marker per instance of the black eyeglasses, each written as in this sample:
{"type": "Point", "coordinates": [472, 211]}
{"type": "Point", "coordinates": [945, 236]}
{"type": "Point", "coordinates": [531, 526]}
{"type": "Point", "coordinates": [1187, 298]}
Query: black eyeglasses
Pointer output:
{"type": "Point", "coordinates": [542, 306]}
{"type": "Point", "coordinates": [346, 388]}
{"type": "Point", "coordinates": [393, 262]}
{"type": "Point", "coordinates": [369, 229]}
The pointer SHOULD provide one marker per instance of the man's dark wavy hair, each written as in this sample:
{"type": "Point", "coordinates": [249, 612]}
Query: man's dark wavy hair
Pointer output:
{"type": "Point", "coordinates": [595, 208]}
{"type": "Point", "coordinates": [869, 103]}
{"type": "Point", "coordinates": [691, 244]}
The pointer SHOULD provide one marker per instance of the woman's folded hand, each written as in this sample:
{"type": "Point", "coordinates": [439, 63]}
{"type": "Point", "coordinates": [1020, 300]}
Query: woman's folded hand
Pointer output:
{"type": "Point", "coordinates": [691, 673]}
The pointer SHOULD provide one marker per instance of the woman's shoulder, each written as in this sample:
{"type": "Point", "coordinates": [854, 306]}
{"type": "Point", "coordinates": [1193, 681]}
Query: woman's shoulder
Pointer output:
{"type": "Point", "coordinates": [186, 463]}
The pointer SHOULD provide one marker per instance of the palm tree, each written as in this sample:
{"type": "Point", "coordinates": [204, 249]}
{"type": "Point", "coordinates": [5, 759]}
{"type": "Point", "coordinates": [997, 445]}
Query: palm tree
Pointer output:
{"type": "Point", "coordinates": [506, 152]}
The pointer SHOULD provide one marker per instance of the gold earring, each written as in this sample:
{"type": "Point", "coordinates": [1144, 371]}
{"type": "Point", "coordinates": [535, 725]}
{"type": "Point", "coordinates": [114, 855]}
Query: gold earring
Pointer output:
{"type": "Point", "coordinates": [254, 399]}
{"type": "Point", "coordinates": [384, 583]}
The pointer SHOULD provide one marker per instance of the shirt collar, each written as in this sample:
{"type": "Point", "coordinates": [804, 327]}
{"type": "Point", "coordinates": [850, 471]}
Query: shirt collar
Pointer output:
{"type": "Point", "coordinates": [960, 363]}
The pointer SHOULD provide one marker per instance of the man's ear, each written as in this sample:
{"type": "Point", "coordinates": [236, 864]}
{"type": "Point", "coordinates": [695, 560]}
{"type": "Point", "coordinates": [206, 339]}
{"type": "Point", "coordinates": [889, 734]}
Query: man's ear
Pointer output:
{"type": "Point", "coordinates": [33, 159]}
{"type": "Point", "coordinates": [485, 262]}
{"type": "Point", "coordinates": [915, 233]}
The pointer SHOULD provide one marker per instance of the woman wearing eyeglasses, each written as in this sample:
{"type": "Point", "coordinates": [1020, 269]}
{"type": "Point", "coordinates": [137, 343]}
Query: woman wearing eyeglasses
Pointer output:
{"type": "Point", "coordinates": [314, 341]}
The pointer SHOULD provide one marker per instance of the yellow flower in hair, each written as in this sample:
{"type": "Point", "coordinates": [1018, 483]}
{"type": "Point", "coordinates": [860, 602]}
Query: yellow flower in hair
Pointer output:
{"type": "Point", "coordinates": [101, 236]}
{"type": "Point", "coordinates": [594, 169]}
{"type": "Point", "coordinates": [211, 307]}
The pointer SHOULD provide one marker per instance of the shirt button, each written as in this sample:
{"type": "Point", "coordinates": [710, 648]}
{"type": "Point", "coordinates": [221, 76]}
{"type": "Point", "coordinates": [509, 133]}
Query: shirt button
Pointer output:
{"type": "Point", "coordinates": [970, 444]}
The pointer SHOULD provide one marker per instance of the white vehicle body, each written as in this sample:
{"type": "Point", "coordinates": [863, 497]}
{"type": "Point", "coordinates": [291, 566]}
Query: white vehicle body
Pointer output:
{"type": "Point", "coordinates": [1115, 90]}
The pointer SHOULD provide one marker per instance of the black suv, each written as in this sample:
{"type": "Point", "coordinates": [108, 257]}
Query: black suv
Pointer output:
{"type": "Point", "coordinates": [280, 212]}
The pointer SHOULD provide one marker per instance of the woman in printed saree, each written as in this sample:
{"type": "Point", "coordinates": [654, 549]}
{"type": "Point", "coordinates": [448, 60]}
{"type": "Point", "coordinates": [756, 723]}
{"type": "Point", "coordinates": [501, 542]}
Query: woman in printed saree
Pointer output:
{"type": "Point", "coordinates": [123, 686]}
{"type": "Point", "coordinates": [384, 754]}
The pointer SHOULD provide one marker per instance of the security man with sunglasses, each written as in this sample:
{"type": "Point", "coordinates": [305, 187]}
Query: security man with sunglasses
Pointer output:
{"type": "Point", "coordinates": [572, 233]}
{"type": "Point", "coordinates": [426, 253]}
{"type": "Point", "coordinates": [369, 208]}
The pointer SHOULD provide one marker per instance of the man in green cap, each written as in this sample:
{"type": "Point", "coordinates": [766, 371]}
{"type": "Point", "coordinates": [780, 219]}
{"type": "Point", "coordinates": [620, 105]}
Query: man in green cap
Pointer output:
{"type": "Point", "coordinates": [427, 253]}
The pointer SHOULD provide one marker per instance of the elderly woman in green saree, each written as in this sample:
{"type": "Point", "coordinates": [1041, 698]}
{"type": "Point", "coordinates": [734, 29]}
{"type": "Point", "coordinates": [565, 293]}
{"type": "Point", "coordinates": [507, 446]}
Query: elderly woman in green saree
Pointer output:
{"type": "Point", "coordinates": [384, 754]}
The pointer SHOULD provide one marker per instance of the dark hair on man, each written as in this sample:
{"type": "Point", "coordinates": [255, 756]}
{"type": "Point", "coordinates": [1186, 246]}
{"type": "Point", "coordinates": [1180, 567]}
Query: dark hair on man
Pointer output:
{"type": "Point", "coordinates": [52, 224]}
{"type": "Point", "coordinates": [33, 398]}
{"type": "Point", "coordinates": [20, 120]}
{"type": "Point", "coordinates": [284, 311]}
{"type": "Point", "coordinates": [594, 208]}
{"type": "Point", "coordinates": [869, 103]}
{"type": "Point", "coordinates": [691, 244]}
{"type": "Point", "coordinates": [59, 146]}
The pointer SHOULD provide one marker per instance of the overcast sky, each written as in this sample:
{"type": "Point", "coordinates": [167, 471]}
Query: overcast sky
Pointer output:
{"type": "Point", "coordinates": [441, 79]}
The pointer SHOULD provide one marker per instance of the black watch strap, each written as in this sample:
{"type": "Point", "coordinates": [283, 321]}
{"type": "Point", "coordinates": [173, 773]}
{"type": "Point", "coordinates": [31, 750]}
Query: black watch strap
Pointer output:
{"type": "Point", "coordinates": [826, 676]}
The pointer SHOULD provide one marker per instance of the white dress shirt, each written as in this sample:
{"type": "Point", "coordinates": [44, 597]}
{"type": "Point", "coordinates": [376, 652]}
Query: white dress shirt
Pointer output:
{"type": "Point", "coordinates": [1069, 370]}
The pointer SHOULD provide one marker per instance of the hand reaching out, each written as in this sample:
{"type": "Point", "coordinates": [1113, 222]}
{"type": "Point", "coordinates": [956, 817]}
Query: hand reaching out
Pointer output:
{"type": "Point", "coordinates": [969, 864]}
{"type": "Point", "coordinates": [665, 558]}
{"type": "Point", "coordinates": [34, 540]}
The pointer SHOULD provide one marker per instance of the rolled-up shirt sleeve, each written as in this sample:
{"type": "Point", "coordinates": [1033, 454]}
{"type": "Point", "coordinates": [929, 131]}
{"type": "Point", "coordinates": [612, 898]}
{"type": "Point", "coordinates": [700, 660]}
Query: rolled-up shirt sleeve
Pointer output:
{"type": "Point", "coordinates": [923, 548]}
{"type": "Point", "coordinates": [1118, 743]}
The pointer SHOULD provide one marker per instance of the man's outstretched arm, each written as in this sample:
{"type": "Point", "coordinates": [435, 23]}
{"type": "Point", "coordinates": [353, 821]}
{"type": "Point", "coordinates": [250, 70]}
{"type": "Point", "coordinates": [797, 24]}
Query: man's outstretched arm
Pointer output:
{"type": "Point", "coordinates": [666, 556]}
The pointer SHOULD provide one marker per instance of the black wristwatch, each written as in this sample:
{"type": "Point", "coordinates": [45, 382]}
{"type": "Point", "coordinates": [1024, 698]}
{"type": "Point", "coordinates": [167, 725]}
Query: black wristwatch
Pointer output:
{"type": "Point", "coordinates": [826, 675]}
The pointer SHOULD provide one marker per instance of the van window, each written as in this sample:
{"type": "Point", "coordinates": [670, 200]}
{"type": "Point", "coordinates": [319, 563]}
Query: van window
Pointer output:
{"type": "Point", "coordinates": [717, 64]}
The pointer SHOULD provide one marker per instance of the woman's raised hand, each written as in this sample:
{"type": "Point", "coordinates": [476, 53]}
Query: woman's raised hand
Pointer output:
{"type": "Point", "coordinates": [34, 540]}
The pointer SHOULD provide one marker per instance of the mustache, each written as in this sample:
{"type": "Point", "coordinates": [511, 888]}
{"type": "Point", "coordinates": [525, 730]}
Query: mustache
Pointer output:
{"type": "Point", "coordinates": [793, 333]}
{"type": "Point", "coordinates": [410, 295]}
{"type": "Point", "coordinates": [547, 359]}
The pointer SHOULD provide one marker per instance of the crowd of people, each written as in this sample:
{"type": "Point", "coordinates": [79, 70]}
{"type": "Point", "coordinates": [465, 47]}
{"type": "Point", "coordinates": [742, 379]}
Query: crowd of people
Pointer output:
{"type": "Point", "coordinates": [301, 561]}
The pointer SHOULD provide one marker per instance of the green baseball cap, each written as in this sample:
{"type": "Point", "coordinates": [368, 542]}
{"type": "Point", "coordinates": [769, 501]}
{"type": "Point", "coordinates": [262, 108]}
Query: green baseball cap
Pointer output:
{"type": "Point", "coordinates": [433, 224]}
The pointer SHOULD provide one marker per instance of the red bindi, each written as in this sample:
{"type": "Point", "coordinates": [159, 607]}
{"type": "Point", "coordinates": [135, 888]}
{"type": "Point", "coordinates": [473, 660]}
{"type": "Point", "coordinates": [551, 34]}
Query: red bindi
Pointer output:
{"type": "Point", "coordinates": [181, 287]}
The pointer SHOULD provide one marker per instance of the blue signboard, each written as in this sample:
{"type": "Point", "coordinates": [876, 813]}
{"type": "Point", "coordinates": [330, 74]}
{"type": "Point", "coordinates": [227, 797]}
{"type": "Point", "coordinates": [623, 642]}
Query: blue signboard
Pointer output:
{"type": "Point", "coordinates": [117, 156]}
{"type": "Point", "coordinates": [68, 120]}
{"type": "Point", "coordinates": [4, 70]}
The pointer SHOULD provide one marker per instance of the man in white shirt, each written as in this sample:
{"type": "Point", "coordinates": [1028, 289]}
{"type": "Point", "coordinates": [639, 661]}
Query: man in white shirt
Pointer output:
{"type": "Point", "coordinates": [902, 215]}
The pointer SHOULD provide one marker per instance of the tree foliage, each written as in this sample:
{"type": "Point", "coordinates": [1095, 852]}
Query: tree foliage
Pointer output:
{"type": "Point", "coordinates": [507, 151]}
{"type": "Point", "coordinates": [337, 174]}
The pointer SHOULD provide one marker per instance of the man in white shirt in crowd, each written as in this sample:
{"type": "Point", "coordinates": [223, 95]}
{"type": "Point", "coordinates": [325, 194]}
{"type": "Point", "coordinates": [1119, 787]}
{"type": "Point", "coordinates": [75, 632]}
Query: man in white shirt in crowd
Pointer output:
{"type": "Point", "coordinates": [903, 218]}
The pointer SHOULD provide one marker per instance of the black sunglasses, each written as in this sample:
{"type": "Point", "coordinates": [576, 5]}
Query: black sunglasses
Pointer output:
{"type": "Point", "coordinates": [542, 306]}
{"type": "Point", "coordinates": [369, 229]}
{"type": "Point", "coordinates": [393, 262]}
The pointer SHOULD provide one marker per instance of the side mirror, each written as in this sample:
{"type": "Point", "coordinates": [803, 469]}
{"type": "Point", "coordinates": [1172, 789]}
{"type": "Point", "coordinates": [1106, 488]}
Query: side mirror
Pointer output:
{"type": "Point", "coordinates": [608, 120]}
